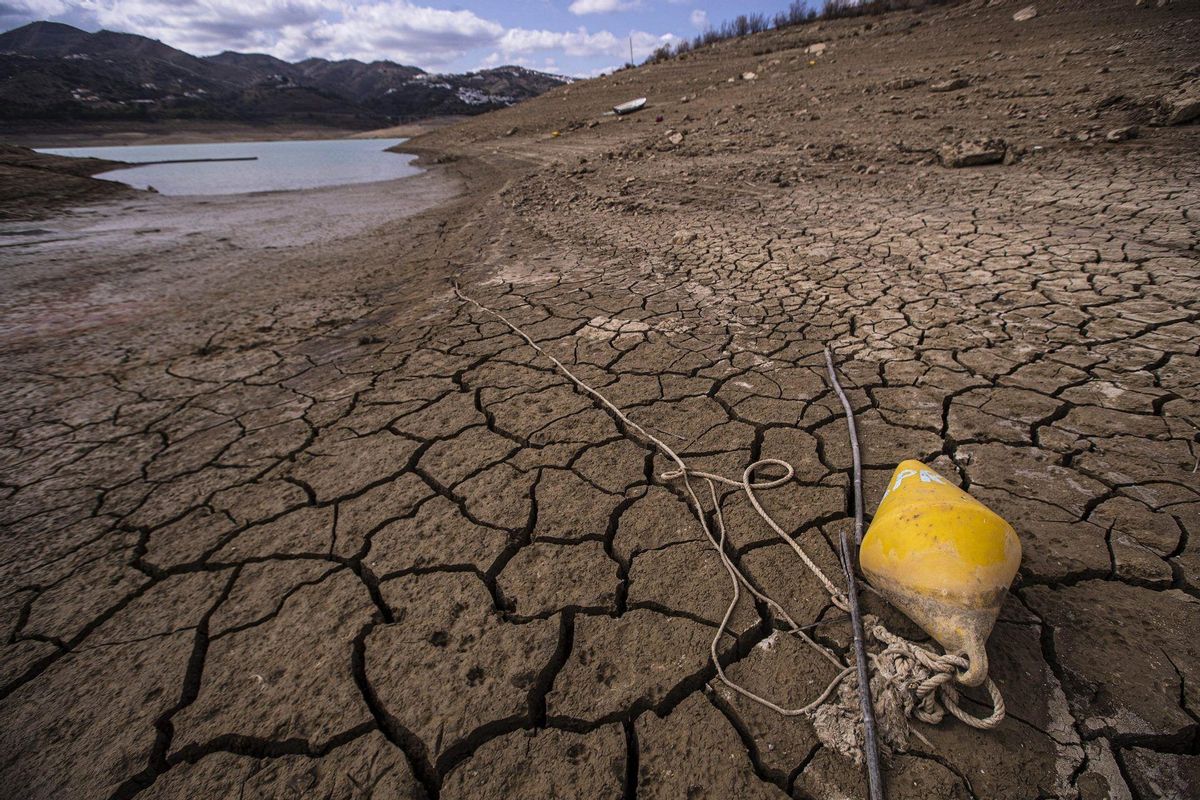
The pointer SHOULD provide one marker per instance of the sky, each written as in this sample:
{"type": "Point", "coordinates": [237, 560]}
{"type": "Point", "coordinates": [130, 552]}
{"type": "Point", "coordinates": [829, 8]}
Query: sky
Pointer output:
{"type": "Point", "coordinates": [572, 37]}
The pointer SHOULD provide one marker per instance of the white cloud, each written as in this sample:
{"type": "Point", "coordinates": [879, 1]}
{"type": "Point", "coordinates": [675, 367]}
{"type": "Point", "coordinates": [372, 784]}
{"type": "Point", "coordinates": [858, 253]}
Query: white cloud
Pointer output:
{"type": "Point", "coordinates": [581, 7]}
{"type": "Point", "coordinates": [293, 29]}
{"type": "Point", "coordinates": [34, 8]}
{"type": "Point", "coordinates": [700, 18]}
{"type": "Point", "coordinates": [573, 43]}
{"type": "Point", "coordinates": [581, 43]}
{"type": "Point", "coordinates": [15, 12]}
{"type": "Point", "coordinates": [398, 30]}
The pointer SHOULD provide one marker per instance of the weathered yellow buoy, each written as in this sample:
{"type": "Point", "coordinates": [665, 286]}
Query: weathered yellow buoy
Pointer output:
{"type": "Point", "coordinates": [944, 559]}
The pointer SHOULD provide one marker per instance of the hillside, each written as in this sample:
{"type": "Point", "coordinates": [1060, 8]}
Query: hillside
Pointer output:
{"type": "Point", "coordinates": [54, 72]}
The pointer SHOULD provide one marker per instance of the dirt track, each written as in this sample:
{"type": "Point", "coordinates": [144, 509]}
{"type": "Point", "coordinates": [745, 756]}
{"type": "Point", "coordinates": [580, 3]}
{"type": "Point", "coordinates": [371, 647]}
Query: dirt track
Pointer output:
{"type": "Point", "coordinates": [301, 525]}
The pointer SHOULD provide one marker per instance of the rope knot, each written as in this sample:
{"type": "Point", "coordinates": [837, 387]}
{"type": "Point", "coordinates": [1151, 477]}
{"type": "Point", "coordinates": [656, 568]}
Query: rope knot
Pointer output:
{"type": "Point", "coordinates": [928, 678]}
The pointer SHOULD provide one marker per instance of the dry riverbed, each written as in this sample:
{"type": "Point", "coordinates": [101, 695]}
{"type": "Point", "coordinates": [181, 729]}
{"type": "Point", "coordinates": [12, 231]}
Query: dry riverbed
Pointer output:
{"type": "Point", "coordinates": [278, 511]}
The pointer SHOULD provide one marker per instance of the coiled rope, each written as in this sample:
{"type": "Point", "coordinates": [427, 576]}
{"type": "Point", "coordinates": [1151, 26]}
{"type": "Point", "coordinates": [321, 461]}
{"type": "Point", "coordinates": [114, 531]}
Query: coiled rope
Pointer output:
{"type": "Point", "coordinates": [915, 681]}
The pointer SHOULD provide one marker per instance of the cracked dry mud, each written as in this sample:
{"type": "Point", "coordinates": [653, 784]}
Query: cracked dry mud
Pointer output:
{"type": "Point", "coordinates": [298, 523]}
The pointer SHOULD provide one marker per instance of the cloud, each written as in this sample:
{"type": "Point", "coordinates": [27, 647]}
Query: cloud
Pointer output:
{"type": "Point", "coordinates": [573, 43]}
{"type": "Point", "coordinates": [700, 18]}
{"type": "Point", "coordinates": [581, 7]}
{"type": "Point", "coordinates": [406, 31]}
{"type": "Point", "coordinates": [581, 43]}
{"type": "Point", "coordinates": [293, 29]}
{"type": "Point", "coordinates": [16, 12]}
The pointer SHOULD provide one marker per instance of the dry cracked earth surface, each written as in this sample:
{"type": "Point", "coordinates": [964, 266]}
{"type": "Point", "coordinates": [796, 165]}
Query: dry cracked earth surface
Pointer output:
{"type": "Point", "coordinates": [297, 522]}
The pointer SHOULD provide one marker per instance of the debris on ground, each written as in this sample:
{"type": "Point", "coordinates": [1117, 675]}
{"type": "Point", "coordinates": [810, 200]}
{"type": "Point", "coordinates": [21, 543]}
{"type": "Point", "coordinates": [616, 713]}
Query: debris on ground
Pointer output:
{"type": "Point", "coordinates": [973, 152]}
{"type": "Point", "coordinates": [1182, 106]}
{"type": "Point", "coordinates": [630, 106]}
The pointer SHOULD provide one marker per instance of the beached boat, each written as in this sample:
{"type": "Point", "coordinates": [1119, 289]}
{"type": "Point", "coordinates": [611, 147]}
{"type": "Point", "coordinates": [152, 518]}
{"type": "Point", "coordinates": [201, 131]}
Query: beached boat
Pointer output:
{"type": "Point", "coordinates": [630, 107]}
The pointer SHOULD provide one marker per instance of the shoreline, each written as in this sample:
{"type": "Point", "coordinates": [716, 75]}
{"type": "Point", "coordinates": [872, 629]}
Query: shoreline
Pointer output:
{"type": "Point", "coordinates": [228, 252]}
{"type": "Point", "coordinates": [198, 133]}
{"type": "Point", "coordinates": [40, 186]}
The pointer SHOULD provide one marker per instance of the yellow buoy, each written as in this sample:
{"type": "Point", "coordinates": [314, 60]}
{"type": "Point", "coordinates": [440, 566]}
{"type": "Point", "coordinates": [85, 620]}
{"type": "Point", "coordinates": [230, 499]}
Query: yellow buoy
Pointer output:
{"type": "Point", "coordinates": [944, 559]}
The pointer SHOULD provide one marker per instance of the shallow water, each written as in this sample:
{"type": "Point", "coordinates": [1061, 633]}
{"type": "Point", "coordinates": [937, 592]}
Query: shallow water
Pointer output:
{"type": "Point", "coordinates": [279, 166]}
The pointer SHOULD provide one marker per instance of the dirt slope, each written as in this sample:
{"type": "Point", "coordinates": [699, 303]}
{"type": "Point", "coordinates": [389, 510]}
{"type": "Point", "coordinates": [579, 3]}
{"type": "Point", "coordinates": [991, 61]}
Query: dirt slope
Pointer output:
{"type": "Point", "coordinates": [310, 525]}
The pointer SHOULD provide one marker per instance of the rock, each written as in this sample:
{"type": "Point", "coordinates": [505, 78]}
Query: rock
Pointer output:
{"type": "Point", "coordinates": [511, 131]}
{"type": "Point", "coordinates": [683, 237]}
{"type": "Point", "coordinates": [1121, 134]}
{"type": "Point", "coordinates": [902, 83]}
{"type": "Point", "coordinates": [817, 49]}
{"type": "Point", "coordinates": [949, 85]}
{"type": "Point", "coordinates": [973, 152]}
{"type": "Point", "coordinates": [675, 137]}
{"type": "Point", "coordinates": [1025, 14]}
{"type": "Point", "coordinates": [1181, 107]}
{"type": "Point", "coordinates": [749, 76]}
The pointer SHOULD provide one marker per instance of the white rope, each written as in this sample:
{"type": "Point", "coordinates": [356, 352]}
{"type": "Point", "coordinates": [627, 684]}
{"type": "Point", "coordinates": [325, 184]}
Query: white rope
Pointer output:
{"type": "Point", "coordinates": [900, 660]}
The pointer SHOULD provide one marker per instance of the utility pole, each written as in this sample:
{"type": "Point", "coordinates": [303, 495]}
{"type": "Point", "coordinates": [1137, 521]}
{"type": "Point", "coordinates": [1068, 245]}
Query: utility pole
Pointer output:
{"type": "Point", "coordinates": [631, 49]}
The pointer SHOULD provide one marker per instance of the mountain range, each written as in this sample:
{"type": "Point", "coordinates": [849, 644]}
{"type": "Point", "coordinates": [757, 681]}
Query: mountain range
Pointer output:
{"type": "Point", "coordinates": [52, 71]}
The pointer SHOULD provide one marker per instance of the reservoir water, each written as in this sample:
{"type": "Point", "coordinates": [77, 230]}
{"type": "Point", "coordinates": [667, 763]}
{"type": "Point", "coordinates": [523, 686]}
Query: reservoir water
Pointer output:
{"type": "Point", "coordinates": [278, 166]}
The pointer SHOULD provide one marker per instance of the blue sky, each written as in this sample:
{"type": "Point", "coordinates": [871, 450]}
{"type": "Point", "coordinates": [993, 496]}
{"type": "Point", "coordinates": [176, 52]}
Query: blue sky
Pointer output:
{"type": "Point", "coordinates": [574, 37]}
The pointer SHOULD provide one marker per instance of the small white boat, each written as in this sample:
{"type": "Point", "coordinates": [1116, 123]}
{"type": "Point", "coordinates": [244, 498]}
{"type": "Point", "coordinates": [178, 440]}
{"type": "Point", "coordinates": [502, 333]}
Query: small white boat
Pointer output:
{"type": "Point", "coordinates": [630, 107]}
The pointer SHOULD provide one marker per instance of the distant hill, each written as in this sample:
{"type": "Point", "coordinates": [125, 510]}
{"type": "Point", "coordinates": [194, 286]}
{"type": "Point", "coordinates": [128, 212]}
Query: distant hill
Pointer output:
{"type": "Point", "coordinates": [51, 71]}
